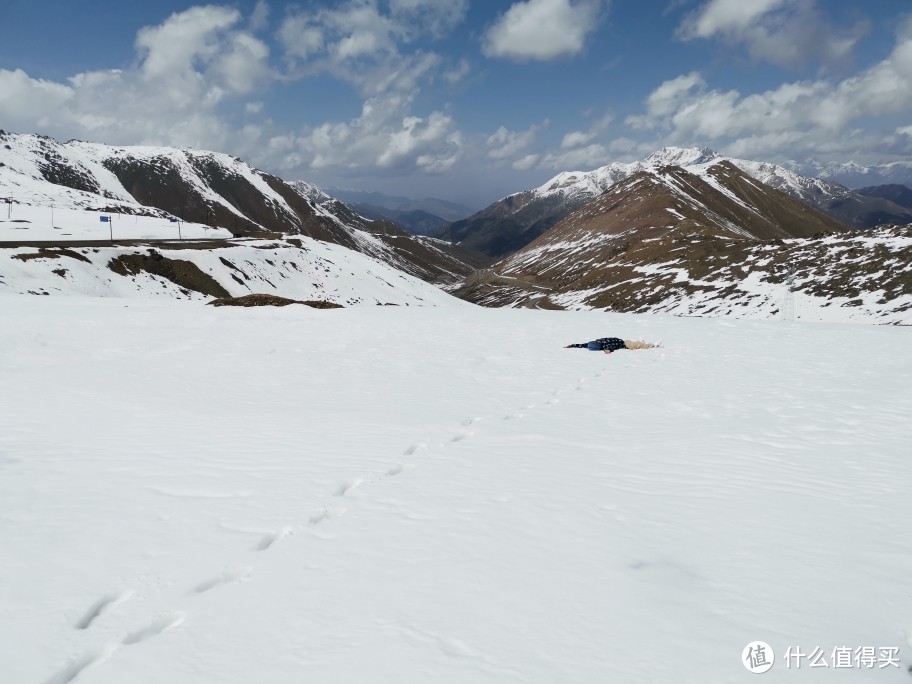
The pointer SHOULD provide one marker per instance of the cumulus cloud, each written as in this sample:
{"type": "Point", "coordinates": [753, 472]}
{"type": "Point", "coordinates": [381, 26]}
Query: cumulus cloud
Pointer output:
{"type": "Point", "coordinates": [581, 138]}
{"type": "Point", "coordinates": [428, 16]}
{"type": "Point", "coordinates": [527, 162]}
{"type": "Point", "coordinates": [200, 40]}
{"type": "Point", "coordinates": [23, 98]}
{"type": "Point", "coordinates": [300, 36]}
{"type": "Point", "coordinates": [584, 158]}
{"type": "Point", "coordinates": [186, 67]}
{"type": "Point", "coordinates": [359, 42]}
{"type": "Point", "coordinates": [542, 29]}
{"type": "Point", "coordinates": [504, 143]}
{"type": "Point", "coordinates": [201, 65]}
{"type": "Point", "coordinates": [385, 135]}
{"type": "Point", "coordinates": [814, 115]}
{"type": "Point", "coordinates": [782, 32]}
{"type": "Point", "coordinates": [426, 135]}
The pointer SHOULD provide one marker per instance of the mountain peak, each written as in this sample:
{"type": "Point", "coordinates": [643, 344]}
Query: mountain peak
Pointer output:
{"type": "Point", "coordinates": [681, 156]}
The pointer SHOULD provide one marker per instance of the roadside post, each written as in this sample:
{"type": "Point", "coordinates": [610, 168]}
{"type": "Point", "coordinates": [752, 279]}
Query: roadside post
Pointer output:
{"type": "Point", "coordinates": [177, 221]}
{"type": "Point", "coordinates": [107, 219]}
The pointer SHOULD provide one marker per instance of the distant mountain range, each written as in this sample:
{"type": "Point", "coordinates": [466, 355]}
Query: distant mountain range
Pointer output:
{"type": "Point", "coordinates": [419, 217]}
{"type": "Point", "coordinates": [855, 175]}
{"type": "Point", "coordinates": [701, 239]}
{"type": "Point", "coordinates": [211, 188]}
{"type": "Point", "coordinates": [516, 220]}
{"type": "Point", "coordinates": [685, 231]}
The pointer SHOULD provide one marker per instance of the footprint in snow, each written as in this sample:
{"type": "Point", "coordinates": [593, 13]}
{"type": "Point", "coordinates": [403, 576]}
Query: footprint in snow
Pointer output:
{"type": "Point", "coordinates": [395, 470]}
{"type": "Point", "coordinates": [470, 421]}
{"type": "Point", "coordinates": [326, 514]}
{"type": "Point", "coordinates": [346, 487]}
{"type": "Point", "coordinates": [163, 624]}
{"type": "Point", "coordinates": [412, 449]}
{"type": "Point", "coordinates": [227, 577]}
{"type": "Point", "coordinates": [274, 537]}
{"type": "Point", "coordinates": [87, 662]}
{"type": "Point", "coordinates": [460, 437]}
{"type": "Point", "coordinates": [100, 606]}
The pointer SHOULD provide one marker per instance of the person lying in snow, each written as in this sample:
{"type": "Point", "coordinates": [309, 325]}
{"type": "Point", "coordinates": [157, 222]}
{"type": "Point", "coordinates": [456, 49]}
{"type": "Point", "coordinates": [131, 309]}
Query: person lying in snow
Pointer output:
{"type": "Point", "coordinates": [609, 344]}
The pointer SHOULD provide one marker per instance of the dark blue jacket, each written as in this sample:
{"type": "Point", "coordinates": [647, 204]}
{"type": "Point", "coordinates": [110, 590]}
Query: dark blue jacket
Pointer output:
{"type": "Point", "coordinates": [603, 344]}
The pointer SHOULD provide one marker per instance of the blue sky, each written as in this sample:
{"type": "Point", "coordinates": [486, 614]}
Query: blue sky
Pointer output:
{"type": "Point", "coordinates": [463, 99]}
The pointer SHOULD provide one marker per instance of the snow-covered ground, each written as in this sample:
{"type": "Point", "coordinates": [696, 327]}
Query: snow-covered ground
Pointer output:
{"type": "Point", "coordinates": [303, 269]}
{"type": "Point", "coordinates": [446, 494]}
{"type": "Point", "coordinates": [28, 223]}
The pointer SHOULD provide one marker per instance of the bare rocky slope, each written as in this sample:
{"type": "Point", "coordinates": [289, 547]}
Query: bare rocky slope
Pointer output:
{"type": "Point", "coordinates": [514, 221]}
{"type": "Point", "coordinates": [715, 243]}
{"type": "Point", "coordinates": [211, 188]}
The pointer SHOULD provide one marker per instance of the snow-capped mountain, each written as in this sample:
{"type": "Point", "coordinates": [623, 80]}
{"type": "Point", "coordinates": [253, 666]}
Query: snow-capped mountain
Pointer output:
{"type": "Point", "coordinates": [709, 241]}
{"type": "Point", "coordinates": [207, 188]}
{"type": "Point", "coordinates": [516, 220]}
{"type": "Point", "coordinates": [297, 268]}
{"type": "Point", "coordinates": [853, 174]}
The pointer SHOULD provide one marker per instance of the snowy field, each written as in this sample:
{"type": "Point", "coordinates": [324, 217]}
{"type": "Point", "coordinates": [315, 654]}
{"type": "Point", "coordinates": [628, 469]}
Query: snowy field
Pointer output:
{"type": "Point", "coordinates": [387, 495]}
{"type": "Point", "coordinates": [26, 223]}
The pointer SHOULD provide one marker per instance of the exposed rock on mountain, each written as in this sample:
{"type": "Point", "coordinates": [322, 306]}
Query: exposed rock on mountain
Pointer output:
{"type": "Point", "coordinates": [511, 223]}
{"type": "Point", "coordinates": [210, 188]}
{"type": "Point", "coordinates": [716, 243]}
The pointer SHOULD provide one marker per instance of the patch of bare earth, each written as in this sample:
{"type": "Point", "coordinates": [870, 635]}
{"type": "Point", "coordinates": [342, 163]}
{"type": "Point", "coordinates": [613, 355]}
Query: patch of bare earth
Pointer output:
{"type": "Point", "coordinates": [271, 300]}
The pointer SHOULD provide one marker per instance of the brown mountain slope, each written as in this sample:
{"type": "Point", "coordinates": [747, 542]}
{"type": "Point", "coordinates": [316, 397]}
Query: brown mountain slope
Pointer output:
{"type": "Point", "coordinates": [676, 242]}
{"type": "Point", "coordinates": [651, 212]}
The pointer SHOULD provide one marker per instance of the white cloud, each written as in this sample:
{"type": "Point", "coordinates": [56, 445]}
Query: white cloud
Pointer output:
{"type": "Point", "coordinates": [527, 162]}
{"type": "Point", "coordinates": [504, 143]}
{"type": "Point", "coordinates": [385, 135]}
{"type": "Point", "coordinates": [720, 16]}
{"type": "Point", "coordinates": [588, 157]}
{"type": "Point", "coordinates": [666, 99]}
{"type": "Point", "coordinates": [782, 32]}
{"type": "Point", "coordinates": [356, 41]}
{"type": "Point", "coordinates": [459, 72]}
{"type": "Point", "coordinates": [799, 116]}
{"type": "Point", "coordinates": [434, 17]}
{"type": "Point", "coordinates": [580, 138]}
{"type": "Point", "coordinates": [300, 37]}
{"type": "Point", "coordinates": [259, 18]}
{"type": "Point", "coordinates": [24, 99]}
{"type": "Point", "coordinates": [244, 64]}
{"type": "Point", "coordinates": [542, 29]}
{"type": "Point", "coordinates": [186, 67]}
{"type": "Point", "coordinates": [427, 136]}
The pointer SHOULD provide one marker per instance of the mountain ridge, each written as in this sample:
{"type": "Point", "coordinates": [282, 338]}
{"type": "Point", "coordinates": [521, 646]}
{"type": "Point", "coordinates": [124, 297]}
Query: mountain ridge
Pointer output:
{"type": "Point", "coordinates": [525, 215]}
{"type": "Point", "coordinates": [211, 188]}
{"type": "Point", "coordinates": [701, 242]}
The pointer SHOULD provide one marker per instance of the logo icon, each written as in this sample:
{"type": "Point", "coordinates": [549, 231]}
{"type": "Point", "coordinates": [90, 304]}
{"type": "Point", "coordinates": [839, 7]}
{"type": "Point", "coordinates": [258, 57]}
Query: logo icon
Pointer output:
{"type": "Point", "coordinates": [758, 657]}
